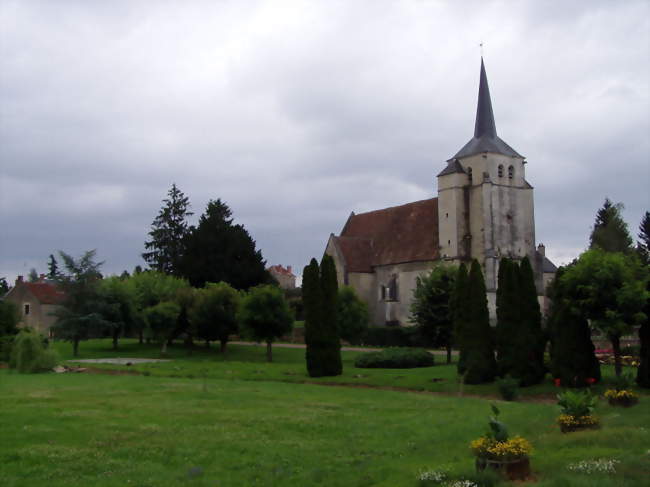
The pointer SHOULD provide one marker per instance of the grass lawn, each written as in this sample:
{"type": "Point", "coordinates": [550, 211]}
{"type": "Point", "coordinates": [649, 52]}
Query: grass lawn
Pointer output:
{"type": "Point", "coordinates": [242, 422]}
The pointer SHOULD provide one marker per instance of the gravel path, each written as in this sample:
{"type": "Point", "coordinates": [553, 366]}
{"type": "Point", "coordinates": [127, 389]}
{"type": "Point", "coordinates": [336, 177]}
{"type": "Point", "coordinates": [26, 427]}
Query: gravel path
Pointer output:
{"type": "Point", "coordinates": [345, 349]}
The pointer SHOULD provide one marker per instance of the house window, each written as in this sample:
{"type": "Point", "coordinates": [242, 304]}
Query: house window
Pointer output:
{"type": "Point", "coordinates": [500, 170]}
{"type": "Point", "coordinates": [511, 172]}
{"type": "Point", "coordinates": [26, 309]}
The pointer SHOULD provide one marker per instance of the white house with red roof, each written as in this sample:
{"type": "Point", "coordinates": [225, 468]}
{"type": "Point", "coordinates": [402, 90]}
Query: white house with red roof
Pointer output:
{"type": "Point", "coordinates": [37, 301]}
{"type": "Point", "coordinates": [283, 275]}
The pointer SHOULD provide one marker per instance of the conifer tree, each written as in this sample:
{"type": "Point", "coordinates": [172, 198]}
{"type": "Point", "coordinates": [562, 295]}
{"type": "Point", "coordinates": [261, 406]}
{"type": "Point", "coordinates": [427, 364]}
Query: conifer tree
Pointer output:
{"type": "Point", "coordinates": [610, 231]}
{"type": "Point", "coordinates": [320, 289]}
{"type": "Point", "coordinates": [573, 360]}
{"type": "Point", "coordinates": [458, 312]}
{"type": "Point", "coordinates": [476, 333]}
{"type": "Point", "coordinates": [168, 231]}
{"type": "Point", "coordinates": [52, 268]}
{"type": "Point", "coordinates": [507, 317]}
{"type": "Point", "coordinates": [643, 244]}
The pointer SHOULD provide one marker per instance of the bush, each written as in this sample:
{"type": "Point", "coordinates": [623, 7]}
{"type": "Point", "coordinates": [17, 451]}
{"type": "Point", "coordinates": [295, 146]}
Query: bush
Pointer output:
{"type": "Point", "coordinates": [5, 347]}
{"type": "Point", "coordinates": [30, 354]}
{"type": "Point", "coordinates": [351, 316]}
{"type": "Point", "coordinates": [508, 388]}
{"type": "Point", "coordinates": [395, 358]}
{"type": "Point", "coordinates": [576, 403]}
{"type": "Point", "coordinates": [389, 336]}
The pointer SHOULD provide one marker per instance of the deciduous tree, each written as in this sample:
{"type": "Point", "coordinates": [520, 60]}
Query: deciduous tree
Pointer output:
{"type": "Point", "coordinates": [352, 316]}
{"type": "Point", "coordinates": [214, 313]}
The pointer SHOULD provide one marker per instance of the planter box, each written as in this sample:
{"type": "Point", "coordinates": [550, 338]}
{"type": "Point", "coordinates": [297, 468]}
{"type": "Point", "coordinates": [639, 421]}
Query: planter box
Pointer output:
{"type": "Point", "coordinates": [510, 469]}
{"type": "Point", "coordinates": [568, 428]}
{"type": "Point", "coordinates": [626, 403]}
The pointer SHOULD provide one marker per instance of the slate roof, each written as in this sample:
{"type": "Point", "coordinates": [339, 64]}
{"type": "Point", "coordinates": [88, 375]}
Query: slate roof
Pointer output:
{"type": "Point", "coordinates": [452, 167]}
{"type": "Point", "coordinates": [485, 131]}
{"type": "Point", "coordinates": [406, 233]}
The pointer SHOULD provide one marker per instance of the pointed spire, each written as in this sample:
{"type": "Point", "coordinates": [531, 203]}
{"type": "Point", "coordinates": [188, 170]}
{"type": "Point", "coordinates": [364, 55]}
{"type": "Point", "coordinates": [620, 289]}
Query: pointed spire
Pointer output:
{"type": "Point", "coordinates": [485, 130]}
{"type": "Point", "coordinates": [484, 116]}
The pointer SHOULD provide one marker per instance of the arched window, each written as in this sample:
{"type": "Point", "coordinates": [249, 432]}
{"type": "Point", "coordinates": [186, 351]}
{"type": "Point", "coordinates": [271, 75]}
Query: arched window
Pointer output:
{"type": "Point", "coordinates": [511, 172]}
{"type": "Point", "coordinates": [469, 174]}
{"type": "Point", "coordinates": [500, 170]}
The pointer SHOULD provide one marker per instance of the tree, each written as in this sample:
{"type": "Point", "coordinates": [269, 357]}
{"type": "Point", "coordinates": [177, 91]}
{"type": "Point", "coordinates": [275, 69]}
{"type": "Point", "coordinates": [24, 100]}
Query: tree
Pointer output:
{"type": "Point", "coordinates": [351, 316]}
{"type": "Point", "coordinates": [117, 306]}
{"type": "Point", "coordinates": [609, 289]}
{"type": "Point", "coordinates": [33, 275]}
{"type": "Point", "coordinates": [265, 315]}
{"type": "Point", "coordinates": [219, 251]}
{"type": "Point", "coordinates": [214, 313]}
{"type": "Point", "coordinates": [320, 289]}
{"type": "Point", "coordinates": [161, 320]}
{"type": "Point", "coordinates": [610, 232]}
{"type": "Point", "coordinates": [52, 268]}
{"type": "Point", "coordinates": [643, 244]}
{"type": "Point", "coordinates": [508, 318]}
{"type": "Point", "coordinates": [80, 315]}
{"type": "Point", "coordinates": [168, 231]}
{"type": "Point", "coordinates": [477, 339]}
{"type": "Point", "coordinates": [573, 360]}
{"type": "Point", "coordinates": [643, 372]}
{"type": "Point", "coordinates": [9, 318]}
{"type": "Point", "coordinates": [430, 308]}
{"type": "Point", "coordinates": [459, 314]}
{"type": "Point", "coordinates": [4, 286]}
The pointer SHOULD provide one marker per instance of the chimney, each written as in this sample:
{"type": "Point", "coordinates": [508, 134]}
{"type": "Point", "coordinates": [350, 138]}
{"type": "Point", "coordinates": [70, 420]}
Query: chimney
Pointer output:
{"type": "Point", "coordinates": [541, 250]}
{"type": "Point", "coordinates": [19, 280]}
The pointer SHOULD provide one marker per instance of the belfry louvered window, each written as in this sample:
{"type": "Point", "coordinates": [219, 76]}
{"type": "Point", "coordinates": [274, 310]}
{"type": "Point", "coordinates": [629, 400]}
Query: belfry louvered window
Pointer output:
{"type": "Point", "coordinates": [511, 172]}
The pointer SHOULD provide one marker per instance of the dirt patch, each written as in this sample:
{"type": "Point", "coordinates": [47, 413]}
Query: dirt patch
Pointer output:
{"type": "Point", "coordinates": [95, 370]}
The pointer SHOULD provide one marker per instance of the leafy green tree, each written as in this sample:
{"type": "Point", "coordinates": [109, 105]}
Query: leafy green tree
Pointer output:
{"type": "Point", "coordinates": [9, 318]}
{"type": "Point", "coordinates": [430, 308]}
{"type": "Point", "coordinates": [610, 232]}
{"type": "Point", "coordinates": [460, 315]}
{"type": "Point", "coordinates": [30, 354]}
{"type": "Point", "coordinates": [4, 286]}
{"type": "Point", "coordinates": [265, 316]}
{"type": "Point", "coordinates": [168, 231]}
{"type": "Point", "coordinates": [573, 360]}
{"type": "Point", "coordinates": [609, 289]}
{"type": "Point", "coordinates": [351, 315]}
{"type": "Point", "coordinates": [643, 372]}
{"type": "Point", "coordinates": [161, 320]}
{"type": "Point", "coordinates": [80, 316]}
{"type": "Point", "coordinates": [117, 306]}
{"type": "Point", "coordinates": [477, 335]}
{"type": "Point", "coordinates": [214, 313]}
{"type": "Point", "coordinates": [52, 268]}
{"type": "Point", "coordinates": [219, 251]}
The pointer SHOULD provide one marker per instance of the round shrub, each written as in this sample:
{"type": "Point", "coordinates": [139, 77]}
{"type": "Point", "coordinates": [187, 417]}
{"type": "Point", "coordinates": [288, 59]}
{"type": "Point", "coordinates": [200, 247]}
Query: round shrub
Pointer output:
{"type": "Point", "coordinates": [30, 354]}
{"type": "Point", "coordinates": [395, 358]}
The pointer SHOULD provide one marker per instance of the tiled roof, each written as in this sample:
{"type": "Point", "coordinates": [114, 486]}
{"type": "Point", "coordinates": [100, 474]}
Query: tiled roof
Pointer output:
{"type": "Point", "coordinates": [278, 269]}
{"type": "Point", "coordinates": [45, 292]}
{"type": "Point", "coordinates": [406, 233]}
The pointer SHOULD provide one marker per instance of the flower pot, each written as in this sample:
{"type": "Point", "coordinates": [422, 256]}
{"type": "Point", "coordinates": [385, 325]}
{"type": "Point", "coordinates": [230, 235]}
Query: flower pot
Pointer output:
{"type": "Point", "coordinates": [568, 428]}
{"type": "Point", "coordinates": [625, 402]}
{"type": "Point", "coordinates": [517, 469]}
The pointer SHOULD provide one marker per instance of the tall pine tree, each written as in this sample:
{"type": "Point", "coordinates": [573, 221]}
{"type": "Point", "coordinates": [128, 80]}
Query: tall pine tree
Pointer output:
{"type": "Point", "coordinates": [168, 231]}
{"type": "Point", "coordinates": [610, 232]}
{"type": "Point", "coordinates": [643, 244]}
{"type": "Point", "coordinates": [218, 250]}
{"type": "Point", "coordinates": [480, 365]}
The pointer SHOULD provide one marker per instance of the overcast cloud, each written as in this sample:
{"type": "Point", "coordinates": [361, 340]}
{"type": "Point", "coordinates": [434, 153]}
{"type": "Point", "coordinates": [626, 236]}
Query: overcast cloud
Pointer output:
{"type": "Point", "coordinates": [297, 113]}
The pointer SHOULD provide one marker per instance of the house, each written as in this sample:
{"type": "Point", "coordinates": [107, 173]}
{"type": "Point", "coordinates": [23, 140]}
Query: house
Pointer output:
{"type": "Point", "coordinates": [483, 211]}
{"type": "Point", "coordinates": [36, 302]}
{"type": "Point", "coordinates": [283, 275]}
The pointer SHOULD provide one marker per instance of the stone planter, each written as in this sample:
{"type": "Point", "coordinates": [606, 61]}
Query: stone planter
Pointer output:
{"type": "Point", "coordinates": [518, 469]}
{"type": "Point", "coordinates": [568, 428]}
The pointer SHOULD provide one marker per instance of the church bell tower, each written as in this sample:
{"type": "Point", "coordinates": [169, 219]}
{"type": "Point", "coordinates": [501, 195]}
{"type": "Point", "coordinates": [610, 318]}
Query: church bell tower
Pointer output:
{"type": "Point", "coordinates": [485, 204]}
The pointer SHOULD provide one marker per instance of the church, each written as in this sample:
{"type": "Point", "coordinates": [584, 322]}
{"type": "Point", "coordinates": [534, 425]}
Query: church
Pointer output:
{"type": "Point", "coordinates": [483, 211]}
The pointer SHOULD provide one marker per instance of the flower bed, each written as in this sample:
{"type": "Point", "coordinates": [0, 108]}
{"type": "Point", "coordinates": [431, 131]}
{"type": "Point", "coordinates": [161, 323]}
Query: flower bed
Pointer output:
{"type": "Point", "coordinates": [570, 423]}
{"type": "Point", "coordinates": [625, 398]}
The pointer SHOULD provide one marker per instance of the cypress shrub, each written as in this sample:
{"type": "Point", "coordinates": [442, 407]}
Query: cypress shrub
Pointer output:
{"type": "Point", "coordinates": [459, 313]}
{"type": "Point", "coordinates": [477, 340]}
{"type": "Point", "coordinates": [573, 360]}
{"type": "Point", "coordinates": [29, 354]}
{"type": "Point", "coordinates": [507, 317]}
{"type": "Point", "coordinates": [531, 341]}
{"type": "Point", "coordinates": [320, 290]}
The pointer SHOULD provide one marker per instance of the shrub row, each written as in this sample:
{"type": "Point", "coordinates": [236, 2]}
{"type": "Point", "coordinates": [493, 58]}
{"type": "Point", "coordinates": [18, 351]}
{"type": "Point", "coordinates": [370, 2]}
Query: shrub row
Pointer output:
{"type": "Point", "coordinates": [389, 336]}
{"type": "Point", "coordinates": [395, 358]}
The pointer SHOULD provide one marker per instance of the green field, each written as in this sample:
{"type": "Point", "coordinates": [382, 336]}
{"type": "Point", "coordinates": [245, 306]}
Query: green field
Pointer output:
{"type": "Point", "coordinates": [203, 421]}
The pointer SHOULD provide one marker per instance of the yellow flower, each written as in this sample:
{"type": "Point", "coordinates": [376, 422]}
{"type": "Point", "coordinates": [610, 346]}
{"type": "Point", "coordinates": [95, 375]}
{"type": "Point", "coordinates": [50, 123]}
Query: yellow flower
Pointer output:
{"type": "Point", "coordinates": [513, 448]}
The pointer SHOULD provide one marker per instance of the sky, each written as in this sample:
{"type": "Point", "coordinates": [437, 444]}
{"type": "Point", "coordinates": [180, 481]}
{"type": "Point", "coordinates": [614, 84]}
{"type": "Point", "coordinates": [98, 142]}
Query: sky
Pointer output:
{"type": "Point", "coordinates": [297, 113]}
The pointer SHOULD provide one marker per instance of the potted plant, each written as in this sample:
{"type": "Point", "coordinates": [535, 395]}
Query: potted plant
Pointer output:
{"type": "Point", "coordinates": [576, 411]}
{"type": "Point", "coordinates": [495, 450]}
{"type": "Point", "coordinates": [622, 395]}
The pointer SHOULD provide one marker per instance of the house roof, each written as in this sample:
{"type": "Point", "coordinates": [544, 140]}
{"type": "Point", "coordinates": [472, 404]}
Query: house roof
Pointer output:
{"type": "Point", "coordinates": [406, 233]}
{"type": "Point", "coordinates": [453, 167]}
{"type": "Point", "coordinates": [45, 292]}
{"type": "Point", "coordinates": [485, 130]}
{"type": "Point", "coordinates": [279, 269]}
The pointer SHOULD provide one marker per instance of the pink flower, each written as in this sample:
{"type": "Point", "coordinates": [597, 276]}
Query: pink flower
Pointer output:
{"type": "Point", "coordinates": [590, 380]}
